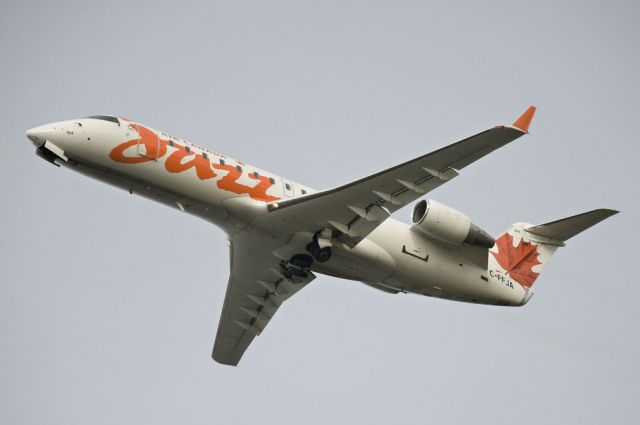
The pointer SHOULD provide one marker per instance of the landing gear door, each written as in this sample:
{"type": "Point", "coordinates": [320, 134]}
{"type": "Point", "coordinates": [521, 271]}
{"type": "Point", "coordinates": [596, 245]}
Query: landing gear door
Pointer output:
{"type": "Point", "coordinates": [148, 142]}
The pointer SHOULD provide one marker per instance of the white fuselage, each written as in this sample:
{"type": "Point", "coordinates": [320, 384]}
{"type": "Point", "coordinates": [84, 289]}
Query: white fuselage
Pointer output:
{"type": "Point", "coordinates": [231, 194]}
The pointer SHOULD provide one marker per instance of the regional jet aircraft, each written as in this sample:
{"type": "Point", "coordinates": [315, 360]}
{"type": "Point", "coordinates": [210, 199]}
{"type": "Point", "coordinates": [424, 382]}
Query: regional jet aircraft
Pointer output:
{"type": "Point", "coordinates": [282, 233]}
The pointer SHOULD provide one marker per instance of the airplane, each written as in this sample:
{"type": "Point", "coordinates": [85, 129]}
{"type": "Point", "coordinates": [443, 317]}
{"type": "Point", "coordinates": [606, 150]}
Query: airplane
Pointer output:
{"type": "Point", "coordinates": [282, 233]}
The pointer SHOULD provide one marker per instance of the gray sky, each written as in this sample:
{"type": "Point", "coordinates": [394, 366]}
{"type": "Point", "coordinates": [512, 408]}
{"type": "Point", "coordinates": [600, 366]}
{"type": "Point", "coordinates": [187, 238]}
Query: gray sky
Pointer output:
{"type": "Point", "coordinates": [110, 303]}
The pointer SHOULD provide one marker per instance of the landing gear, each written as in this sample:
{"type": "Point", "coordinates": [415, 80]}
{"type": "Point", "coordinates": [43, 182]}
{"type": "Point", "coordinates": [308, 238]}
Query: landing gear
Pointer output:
{"type": "Point", "coordinates": [299, 264]}
{"type": "Point", "coordinates": [302, 260]}
{"type": "Point", "coordinates": [296, 266]}
{"type": "Point", "coordinates": [320, 254]}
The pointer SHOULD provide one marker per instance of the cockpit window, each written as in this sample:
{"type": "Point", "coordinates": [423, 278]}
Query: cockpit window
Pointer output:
{"type": "Point", "coordinates": [105, 118]}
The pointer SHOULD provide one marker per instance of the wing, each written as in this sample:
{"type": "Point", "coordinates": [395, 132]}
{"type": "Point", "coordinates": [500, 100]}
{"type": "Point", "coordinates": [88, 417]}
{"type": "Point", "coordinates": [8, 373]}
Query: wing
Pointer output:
{"type": "Point", "coordinates": [354, 210]}
{"type": "Point", "coordinates": [256, 289]}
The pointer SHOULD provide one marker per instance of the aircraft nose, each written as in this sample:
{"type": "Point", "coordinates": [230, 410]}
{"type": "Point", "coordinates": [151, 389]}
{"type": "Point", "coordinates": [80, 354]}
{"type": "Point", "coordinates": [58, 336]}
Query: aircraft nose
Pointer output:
{"type": "Point", "coordinates": [38, 135]}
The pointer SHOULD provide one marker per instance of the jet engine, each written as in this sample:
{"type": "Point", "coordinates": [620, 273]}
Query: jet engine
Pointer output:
{"type": "Point", "coordinates": [448, 225]}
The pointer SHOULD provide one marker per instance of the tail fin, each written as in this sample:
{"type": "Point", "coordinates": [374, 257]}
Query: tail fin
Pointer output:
{"type": "Point", "coordinates": [566, 228]}
{"type": "Point", "coordinates": [523, 250]}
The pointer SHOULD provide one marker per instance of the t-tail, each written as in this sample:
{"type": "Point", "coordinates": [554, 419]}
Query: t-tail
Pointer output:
{"type": "Point", "coordinates": [521, 253]}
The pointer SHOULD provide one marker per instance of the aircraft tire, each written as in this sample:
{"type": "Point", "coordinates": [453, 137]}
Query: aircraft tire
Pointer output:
{"type": "Point", "coordinates": [303, 261]}
{"type": "Point", "coordinates": [321, 255]}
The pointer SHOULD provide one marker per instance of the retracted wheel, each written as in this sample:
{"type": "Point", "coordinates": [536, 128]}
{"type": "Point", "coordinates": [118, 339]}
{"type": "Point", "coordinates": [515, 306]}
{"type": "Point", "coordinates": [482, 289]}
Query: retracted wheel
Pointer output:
{"type": "Point", "coordinates": [303, 261]}
{"type": "Point", "coordinates": [323, 254]}
{"type": "Point", "coordinates": [298, 265]}
{"type": "Point", "coordinates": [320, 254]}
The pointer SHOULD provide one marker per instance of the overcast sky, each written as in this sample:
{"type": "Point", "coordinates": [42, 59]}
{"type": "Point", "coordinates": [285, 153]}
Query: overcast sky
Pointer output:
{"type": "Point", "coordinates": [109, 303]}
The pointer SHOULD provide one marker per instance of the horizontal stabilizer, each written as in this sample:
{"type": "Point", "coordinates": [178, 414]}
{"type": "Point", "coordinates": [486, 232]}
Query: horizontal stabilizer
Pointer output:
{"type": "Point", "coordinates": [566, 228]}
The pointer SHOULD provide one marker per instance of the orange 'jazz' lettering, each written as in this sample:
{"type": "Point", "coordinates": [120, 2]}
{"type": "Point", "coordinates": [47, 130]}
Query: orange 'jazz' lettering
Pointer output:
{"type": "Point", "coordinates": [174, 164]}
{"type": "Point", "coordinates": [204, 169]}
{"type": "Point", "coordinates": [230, 183]}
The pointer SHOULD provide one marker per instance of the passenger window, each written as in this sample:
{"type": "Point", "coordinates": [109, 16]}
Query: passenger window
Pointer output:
{"type": "Point", "coordinates": [222, 161]}
{"type": "Point", "coordinates": [188, 149]}
{"type": "Point", "coordinates": [204, 155]}
{"type": "Point", "coordinates": [304, 192]}
{"type": "Point", "coordinates": [272, 180]}
{"type": "Point", "coordinates": [288, 186]}
{"type": "Point", "coordinates": [239, 168]}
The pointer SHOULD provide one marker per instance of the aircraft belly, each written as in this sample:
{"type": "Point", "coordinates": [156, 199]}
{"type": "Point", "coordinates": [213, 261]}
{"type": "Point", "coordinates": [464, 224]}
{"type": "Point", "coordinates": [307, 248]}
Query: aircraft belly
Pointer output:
{"type": "Point", "coordinates": [151, 181]}
{"type": "Point", "coordinates": [435, 269]}
{"type": "Point", "coordinates": [366, 261]}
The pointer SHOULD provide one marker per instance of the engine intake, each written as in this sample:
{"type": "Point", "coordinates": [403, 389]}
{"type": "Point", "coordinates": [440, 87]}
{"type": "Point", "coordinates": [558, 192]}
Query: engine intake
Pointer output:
{"type": "Point", "coordinates": [448, 225]}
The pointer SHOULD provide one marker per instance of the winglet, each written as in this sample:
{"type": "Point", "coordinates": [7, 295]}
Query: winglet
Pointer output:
{"type": "Point", "coordinates": [524, 121]}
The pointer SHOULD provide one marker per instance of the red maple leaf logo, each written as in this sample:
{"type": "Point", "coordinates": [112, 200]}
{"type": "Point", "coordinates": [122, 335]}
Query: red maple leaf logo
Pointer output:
{"type": "Point", "coordinates": [518, 260]}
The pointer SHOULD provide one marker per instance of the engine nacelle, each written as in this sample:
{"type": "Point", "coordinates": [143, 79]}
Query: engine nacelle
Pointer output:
{"type": "Point", "coordinates": [448, 225]}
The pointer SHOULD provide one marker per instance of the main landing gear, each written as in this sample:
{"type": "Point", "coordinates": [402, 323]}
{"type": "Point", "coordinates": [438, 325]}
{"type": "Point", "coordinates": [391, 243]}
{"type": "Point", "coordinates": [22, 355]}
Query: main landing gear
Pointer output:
{"type": "Point", "coordinates": [300, 264]}
{"type": "Point", "coordinates": [296, 266]}
{"type": "Point", "coordinates": [320, 254]}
